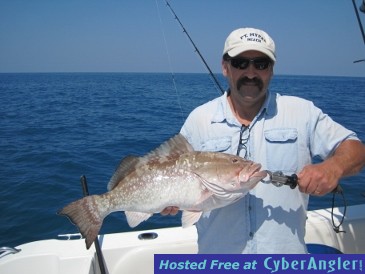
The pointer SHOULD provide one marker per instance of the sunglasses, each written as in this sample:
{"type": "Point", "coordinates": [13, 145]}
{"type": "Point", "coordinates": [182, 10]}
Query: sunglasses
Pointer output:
{"type": "Point", "coordinates": [260, 63]}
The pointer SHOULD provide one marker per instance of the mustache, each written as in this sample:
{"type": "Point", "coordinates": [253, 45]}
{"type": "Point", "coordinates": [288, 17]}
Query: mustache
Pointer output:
{"type": "Point", "coordinates": [243, 81]}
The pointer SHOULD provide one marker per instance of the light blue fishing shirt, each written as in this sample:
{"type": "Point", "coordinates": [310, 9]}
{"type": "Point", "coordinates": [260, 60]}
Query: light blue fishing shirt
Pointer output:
{"type": "Point", "coordinates": [284, 136]}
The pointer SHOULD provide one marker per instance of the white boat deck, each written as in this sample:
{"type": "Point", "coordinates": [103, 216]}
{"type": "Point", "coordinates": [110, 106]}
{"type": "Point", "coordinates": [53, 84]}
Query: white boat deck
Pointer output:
{"type": "Point", "coordinates": [132, 252]}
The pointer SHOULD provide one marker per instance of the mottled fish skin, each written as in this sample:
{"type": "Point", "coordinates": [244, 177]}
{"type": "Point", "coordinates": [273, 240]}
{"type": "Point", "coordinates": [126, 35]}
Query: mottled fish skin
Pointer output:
{"type": "Point", "coordinates": [171, 175]}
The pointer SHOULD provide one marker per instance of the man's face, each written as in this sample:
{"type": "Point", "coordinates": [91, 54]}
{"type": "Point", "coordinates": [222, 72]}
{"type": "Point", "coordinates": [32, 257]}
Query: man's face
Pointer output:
{"type": "Point", "coordinates": [249, 82]}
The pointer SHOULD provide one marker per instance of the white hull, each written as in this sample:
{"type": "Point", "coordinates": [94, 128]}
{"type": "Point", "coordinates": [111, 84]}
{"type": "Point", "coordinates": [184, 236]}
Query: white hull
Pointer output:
{"type": "Point", "coordinates": [128, 253]}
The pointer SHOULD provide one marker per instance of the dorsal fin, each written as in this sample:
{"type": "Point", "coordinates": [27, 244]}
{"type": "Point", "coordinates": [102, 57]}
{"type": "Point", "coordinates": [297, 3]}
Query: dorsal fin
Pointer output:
{"type": "Point", "coordinates": [172, 148]}
{"type": "Point", "coordinates": [126, 166]}
{"type": "Point", "coordinates": [168, 150]}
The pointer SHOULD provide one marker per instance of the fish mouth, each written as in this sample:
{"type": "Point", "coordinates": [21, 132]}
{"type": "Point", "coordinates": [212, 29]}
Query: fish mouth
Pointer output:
{"type": "Point", "coordinates": [261, 173]}
{"type": "Point", "coordinates": [252, 175]}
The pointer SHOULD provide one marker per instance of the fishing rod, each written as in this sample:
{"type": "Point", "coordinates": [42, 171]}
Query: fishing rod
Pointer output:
{"type": "Point", "coordinates": [99, 253]}
{"type": "Point", "coordinates": [196, 49]}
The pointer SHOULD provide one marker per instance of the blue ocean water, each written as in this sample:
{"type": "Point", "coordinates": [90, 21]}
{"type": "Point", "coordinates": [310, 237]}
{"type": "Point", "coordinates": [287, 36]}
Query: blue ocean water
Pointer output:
{"type": "Point", "coordinates": [56, 127]}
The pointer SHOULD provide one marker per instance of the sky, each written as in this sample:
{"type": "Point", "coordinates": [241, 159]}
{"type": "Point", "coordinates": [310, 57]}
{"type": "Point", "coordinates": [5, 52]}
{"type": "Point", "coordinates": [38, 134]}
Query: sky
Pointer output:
{"type": "Point", "coordinates": [313, 37]}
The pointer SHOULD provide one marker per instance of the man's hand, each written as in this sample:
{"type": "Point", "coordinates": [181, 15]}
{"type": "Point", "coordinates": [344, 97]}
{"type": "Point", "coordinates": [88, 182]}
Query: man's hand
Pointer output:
{"type": "Point", "coordinates": [317, 179]}
{"type": "Point", "coordinates": [320, 179]}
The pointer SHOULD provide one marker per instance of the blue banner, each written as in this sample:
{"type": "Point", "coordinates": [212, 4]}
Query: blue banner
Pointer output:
{"type": "Point", "coordinates": [259, 263]}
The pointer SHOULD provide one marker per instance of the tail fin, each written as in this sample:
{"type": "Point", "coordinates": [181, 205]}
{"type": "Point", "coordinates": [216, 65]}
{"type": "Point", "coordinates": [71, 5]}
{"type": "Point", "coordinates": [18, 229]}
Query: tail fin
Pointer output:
{"type": "Point", "coordinates": [86, 215]}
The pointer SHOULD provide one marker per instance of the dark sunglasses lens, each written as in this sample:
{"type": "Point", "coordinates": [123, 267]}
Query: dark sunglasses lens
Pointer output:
{"type": "Point", "coordinates": [240, 63]}
{"type": "Point", "coordinates": [262, 64]}
{"type": "Point", "coordinates": [243, 63]}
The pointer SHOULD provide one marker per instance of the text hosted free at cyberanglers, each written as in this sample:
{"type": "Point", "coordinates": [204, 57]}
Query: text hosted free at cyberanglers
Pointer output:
{"type": "Point", "coordinates": [259, 263]}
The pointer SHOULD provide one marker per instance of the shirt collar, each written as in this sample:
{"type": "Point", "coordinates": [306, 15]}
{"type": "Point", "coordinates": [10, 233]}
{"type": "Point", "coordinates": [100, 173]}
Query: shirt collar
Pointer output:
{"type": "Point", "coordinates": [223, 112]}
{"type": "Point", "coordinates": [270, 106]}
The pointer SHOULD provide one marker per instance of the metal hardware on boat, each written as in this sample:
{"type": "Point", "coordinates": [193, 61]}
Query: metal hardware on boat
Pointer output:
{"type": "Point", "coordinates": [5, 250]}
{"type": "Point", "coordinates": [362, 9]}
{"type": "Point", "coordinates": [148, 236]}
{"type": "Point", "coordinates": [74, 236]}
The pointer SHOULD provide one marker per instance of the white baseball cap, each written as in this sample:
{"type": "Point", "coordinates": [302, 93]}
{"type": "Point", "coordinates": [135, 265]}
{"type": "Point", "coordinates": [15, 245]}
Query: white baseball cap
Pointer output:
{"type": "Point", "coordinates": [245, 39]}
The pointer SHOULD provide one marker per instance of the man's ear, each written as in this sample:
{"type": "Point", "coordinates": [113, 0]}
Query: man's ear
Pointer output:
{"type": "Point", "coordinates": [224, 68]}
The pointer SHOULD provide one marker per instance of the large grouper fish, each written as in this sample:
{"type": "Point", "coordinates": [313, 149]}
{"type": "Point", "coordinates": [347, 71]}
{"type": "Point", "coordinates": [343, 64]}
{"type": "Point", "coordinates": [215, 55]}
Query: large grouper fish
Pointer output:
{"type": "Point", "coordinates": [171, 175]}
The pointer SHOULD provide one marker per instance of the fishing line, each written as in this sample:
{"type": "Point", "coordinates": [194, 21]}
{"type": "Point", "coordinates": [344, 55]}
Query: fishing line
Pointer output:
{"type": "Point", "coordinates": [338, 190]}
{"type": "Point", "coordinates": [215, 81]}
{"type": "Point", "coordinates": [169, 61]}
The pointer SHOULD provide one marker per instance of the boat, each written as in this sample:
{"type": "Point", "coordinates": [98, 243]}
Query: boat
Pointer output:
{"type": "Point", "coordinates": [133, 252]}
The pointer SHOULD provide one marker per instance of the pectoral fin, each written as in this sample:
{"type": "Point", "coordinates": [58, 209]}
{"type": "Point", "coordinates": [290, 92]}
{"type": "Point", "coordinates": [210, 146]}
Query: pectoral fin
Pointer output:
{"type": "Point", "coordinates": [189, 218]}
{"type": "Point", "coordinates": [135, 218]}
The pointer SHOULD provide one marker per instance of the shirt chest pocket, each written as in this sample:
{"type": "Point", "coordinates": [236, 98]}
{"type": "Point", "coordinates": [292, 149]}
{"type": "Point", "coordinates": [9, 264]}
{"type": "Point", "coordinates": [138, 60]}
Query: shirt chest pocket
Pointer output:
{"type": "Point", "coordinates": [282, 149]}
{"type": "Point", "coordinates": [217, 145]}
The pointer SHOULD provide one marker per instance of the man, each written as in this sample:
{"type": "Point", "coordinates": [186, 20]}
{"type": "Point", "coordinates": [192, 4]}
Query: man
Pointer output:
{"type": "Point", "coordinates": [282, 133]}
